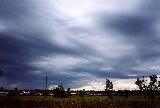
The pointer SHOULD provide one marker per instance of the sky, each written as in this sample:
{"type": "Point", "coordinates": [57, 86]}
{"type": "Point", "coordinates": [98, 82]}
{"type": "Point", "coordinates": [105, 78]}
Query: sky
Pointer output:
{"type": "Point", "coordinates": [79, 43]}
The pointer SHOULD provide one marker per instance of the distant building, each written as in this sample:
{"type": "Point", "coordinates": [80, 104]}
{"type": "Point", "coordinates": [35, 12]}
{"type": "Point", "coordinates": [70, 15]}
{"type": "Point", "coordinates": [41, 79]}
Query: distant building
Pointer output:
{"type": "Point", "coordinates": [3, 93]}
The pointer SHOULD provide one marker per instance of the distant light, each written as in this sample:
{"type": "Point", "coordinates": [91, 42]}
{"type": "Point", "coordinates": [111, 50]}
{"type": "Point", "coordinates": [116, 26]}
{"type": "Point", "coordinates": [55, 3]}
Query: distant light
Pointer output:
{"type": "Point", "coordinates": [132, 75]}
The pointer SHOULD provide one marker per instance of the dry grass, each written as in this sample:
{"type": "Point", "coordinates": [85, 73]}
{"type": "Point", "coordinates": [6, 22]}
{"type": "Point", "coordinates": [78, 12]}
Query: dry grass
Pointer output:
{"type": "Point", "coordinates": [76, 102]}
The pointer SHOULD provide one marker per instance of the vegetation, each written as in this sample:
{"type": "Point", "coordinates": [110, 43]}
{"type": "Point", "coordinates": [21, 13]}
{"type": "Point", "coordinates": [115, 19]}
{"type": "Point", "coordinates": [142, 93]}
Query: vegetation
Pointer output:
{"type": "Point", "coordinates": [109, 88]}
{"type": "Point", "coordinates": [59, 91]}
{"type": "Point", "coordinates": [86, 99]}
{"type": "Point", "coordinates": [109, 85]}
{"type": "Point", "coordinates": [76, 102]}
{"type": "Point", "coordinates": [151, 88]}
{"type": "Point", "coordinates": [154, 84]}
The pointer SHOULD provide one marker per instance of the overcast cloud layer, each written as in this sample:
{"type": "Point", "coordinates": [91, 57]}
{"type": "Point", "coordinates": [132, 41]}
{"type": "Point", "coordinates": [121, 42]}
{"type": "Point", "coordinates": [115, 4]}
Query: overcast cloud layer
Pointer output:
{"type": "Point", "coordinates": [78, 43]}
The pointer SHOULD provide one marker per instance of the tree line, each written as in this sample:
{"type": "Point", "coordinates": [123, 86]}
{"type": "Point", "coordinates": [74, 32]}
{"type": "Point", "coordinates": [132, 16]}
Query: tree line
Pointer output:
{"type": "Point", "coordinates": [149, 86]}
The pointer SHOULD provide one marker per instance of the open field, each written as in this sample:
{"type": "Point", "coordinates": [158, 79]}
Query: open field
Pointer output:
{"type": "Point", "coordinates": [77, 102]}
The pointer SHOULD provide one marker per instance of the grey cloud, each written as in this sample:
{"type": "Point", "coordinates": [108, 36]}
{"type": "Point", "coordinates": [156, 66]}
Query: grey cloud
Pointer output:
{"type": "Point", "coordinates": [28, 35]}
{"type": "Point", "coordinates": [132, 25]}
{"type": "Point", "coordinates": [138, 28]}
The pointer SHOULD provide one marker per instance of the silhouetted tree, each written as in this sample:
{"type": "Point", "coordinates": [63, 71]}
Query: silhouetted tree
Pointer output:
{"type": "Point", "coordinates": [15, 92]}
{"type": "Point", "coordinates": [151, 88]}
{"type": "Point", "coordinates": [16, 89]}
{"type": "Point", "coordinates": [153, 83]}
{"type": "Point", "coordinates": [59, 91]}
{"type": "Point", "coordinates": [60, 87]}
{"type": "Point", "coordinates": [81, 93]}
{"type": "Point", "coordinates": [109, 87]}
{"type": "Point", "coordinates": [158, 85]}
{"type": "Point", "coordinates": [141, 83]}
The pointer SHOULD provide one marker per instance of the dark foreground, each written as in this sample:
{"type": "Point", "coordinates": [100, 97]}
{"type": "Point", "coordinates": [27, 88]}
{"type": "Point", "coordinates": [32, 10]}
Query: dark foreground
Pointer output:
{"type": "Point", "coordinates": [78, 102]}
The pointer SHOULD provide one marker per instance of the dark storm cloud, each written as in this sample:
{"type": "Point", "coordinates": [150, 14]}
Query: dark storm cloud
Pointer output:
{"type": "Point", "coordinates": [37, 38]}
{"type": "Point", "coordinates": [23, 42]}
{"type": "Point", "coordinates": [17, 53]}
{"type": "Point", "coordinates": [14, 10]}
{"type": "Point", "coordinates": [138, 28]}
{"type": "Point", "coordinates": [132, 25]}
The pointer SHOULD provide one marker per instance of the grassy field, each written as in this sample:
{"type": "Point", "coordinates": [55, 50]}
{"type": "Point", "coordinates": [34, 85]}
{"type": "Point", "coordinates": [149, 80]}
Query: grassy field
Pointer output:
{"type": "Point", "coordinates": [78, 102]}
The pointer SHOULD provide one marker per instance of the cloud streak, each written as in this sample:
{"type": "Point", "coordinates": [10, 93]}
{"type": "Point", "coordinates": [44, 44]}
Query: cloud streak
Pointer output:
{"type": "Point", "coordinates": [76, 44]}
